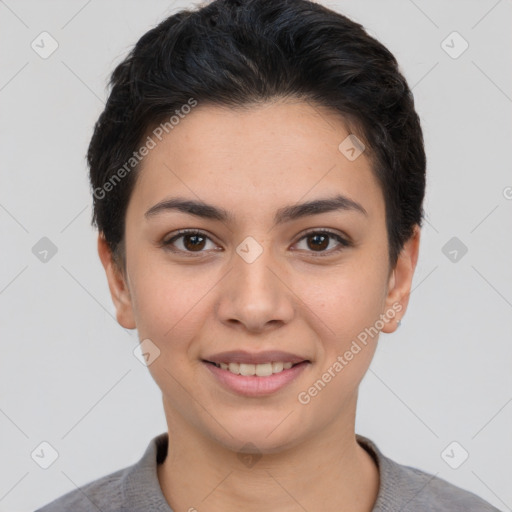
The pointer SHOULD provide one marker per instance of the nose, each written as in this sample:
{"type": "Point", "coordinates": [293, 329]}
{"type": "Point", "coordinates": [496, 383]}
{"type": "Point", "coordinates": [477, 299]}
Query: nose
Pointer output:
{"type": "Point", "coordinates": [256, 294]}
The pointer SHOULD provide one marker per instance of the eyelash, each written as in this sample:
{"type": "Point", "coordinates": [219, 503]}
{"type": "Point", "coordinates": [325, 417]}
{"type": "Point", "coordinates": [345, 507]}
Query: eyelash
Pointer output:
{"type": "Point", "coordinates": [344, 243]}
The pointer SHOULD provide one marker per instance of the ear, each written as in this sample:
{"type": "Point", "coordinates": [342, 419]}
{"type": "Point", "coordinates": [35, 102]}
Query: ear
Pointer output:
{"type": "Point", "coordinates": [400, 281]}
{"type": "Point", "coordinates": [117, 285]}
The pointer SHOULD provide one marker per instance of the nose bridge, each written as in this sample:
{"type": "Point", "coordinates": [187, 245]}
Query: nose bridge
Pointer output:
{"type": "Point", "coordinates": [254, 295]}
{"type": "Point", "coordinates": [252, 265]}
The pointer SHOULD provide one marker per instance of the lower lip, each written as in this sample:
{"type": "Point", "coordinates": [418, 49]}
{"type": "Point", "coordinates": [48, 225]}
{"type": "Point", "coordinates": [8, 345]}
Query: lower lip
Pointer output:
{"type": "Point", "coordinates": [252, 385]}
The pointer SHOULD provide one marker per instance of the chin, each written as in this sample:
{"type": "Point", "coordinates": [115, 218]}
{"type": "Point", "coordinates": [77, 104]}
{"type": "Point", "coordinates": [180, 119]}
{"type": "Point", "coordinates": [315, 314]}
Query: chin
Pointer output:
{"type": "Point", "coordinates": [260, 437]}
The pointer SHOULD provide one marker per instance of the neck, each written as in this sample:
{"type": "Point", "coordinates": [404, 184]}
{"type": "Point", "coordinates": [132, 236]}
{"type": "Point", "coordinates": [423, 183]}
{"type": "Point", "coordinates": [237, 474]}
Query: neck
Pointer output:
{"type": "Point", "coordinates": [331, 472]}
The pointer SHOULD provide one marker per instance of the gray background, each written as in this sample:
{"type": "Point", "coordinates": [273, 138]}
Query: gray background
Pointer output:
{"type": "Point", "coordinates": [68, 375]}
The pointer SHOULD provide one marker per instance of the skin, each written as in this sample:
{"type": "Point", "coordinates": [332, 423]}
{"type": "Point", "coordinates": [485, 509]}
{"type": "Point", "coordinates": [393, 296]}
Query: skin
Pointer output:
{"type": "Point", "coordinates": [252, 163]}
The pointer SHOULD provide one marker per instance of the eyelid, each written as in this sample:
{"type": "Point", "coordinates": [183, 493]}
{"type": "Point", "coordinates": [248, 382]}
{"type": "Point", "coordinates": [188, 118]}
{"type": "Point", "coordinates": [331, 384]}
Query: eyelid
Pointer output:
{"type": "Point", "coordinates": [335, 233]}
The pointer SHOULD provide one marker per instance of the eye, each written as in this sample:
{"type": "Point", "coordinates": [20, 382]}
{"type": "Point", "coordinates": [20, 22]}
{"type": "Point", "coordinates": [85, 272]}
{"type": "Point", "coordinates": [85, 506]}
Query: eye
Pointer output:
{"type": "Point", "coordinates": [190, 240]}
{"type": "Point", "coordinates": [194, 241]}
{"type": "Point", "coordinates": [320, 240]}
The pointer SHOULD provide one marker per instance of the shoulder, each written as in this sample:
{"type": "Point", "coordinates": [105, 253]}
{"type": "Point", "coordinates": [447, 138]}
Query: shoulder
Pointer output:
{"type": "Point", "coordinates": [127, 489]}
{"type": "Point", "coordinates": [409, 489]}
{"type": "Point", "coordinates": [105, 493]}
{"type": "Point", "coordinates": [424, 491]}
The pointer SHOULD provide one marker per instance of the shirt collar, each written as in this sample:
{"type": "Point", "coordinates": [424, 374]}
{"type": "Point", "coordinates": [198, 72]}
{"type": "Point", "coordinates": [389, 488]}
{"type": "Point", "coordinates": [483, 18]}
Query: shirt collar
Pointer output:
{"type": "Point", "coordinates": [141, 488]}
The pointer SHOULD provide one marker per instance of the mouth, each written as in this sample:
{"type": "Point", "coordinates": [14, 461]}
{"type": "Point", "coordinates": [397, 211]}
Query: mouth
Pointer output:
{"type": "Point", "coordinates": [255, 374]}
{"type": "Point", "coordinates": [255, 379]}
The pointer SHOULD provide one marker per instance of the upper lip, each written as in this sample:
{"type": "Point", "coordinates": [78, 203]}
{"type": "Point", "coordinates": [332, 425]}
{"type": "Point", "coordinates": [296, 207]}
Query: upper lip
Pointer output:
{"type": "Point", "coordinates": [241, 356]}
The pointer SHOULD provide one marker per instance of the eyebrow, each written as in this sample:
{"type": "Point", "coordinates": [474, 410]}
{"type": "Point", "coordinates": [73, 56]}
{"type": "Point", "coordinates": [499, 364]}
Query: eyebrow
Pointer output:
{"type": "Point", "coordinates": [285, 214]}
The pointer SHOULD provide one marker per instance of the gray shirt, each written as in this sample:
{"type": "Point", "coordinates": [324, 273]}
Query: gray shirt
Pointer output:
{"type": "Point", "coordinates": [136, 488]}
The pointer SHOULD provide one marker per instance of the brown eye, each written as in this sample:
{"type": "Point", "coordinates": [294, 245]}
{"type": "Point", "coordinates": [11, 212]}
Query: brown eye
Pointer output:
{"type": "Point", "coordinates": [187, 241]}
{"type": "Point", "coordinates": [319, 241]}
{"type": "Point", "coordinates": [193, 242]}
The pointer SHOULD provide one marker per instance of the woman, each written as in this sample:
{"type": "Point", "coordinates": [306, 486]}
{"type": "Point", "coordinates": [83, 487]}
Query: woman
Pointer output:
{"type": "Point", "coordinates": [258, 176]}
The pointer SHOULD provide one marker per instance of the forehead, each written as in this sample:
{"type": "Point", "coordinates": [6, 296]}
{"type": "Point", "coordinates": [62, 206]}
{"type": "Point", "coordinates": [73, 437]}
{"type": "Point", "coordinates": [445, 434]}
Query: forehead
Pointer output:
{"type": "Point", "coordinates": [257, 158]}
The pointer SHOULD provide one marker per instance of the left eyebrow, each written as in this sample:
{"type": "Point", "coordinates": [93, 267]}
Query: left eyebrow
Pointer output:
{"type": "Point", "coordinates": [285, 214]}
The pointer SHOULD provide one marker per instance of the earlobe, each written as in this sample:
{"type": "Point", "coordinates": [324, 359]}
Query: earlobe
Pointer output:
{"type": "Point", "coordinates": [119, 290]}
{"type": "Point", "coordinates": [400, 282]}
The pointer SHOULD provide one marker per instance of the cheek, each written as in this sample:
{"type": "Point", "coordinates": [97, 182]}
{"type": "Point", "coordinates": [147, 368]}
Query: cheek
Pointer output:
{"type": "Point", "coordinates": [164, 306]}
{"type": "Point", "coordinates": [343, 310]}
{"type": "Point", "coordinates": [345, 300]}
{"type": "Point", "coordinates": [169, 300]}
{"type": "Point", "coordinates": [169, 312]}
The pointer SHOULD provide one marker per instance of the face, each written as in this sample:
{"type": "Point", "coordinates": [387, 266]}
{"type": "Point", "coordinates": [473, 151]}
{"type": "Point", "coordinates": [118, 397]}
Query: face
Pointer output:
{"type": "Point", "coordinates": [259, 273]}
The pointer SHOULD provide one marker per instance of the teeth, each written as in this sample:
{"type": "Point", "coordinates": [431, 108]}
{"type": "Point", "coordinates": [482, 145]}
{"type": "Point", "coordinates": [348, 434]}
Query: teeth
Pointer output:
{"type": "Point", "coordinates": [264, 370]}
{"type": "Point", "coordinates": [277, 367]}
{"type": "Point", "coordinates": [247, 369]}
{"type": "Point", "coordinates": [234, 368]}
{"type": "Point", "coordinates": [261, 370]}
